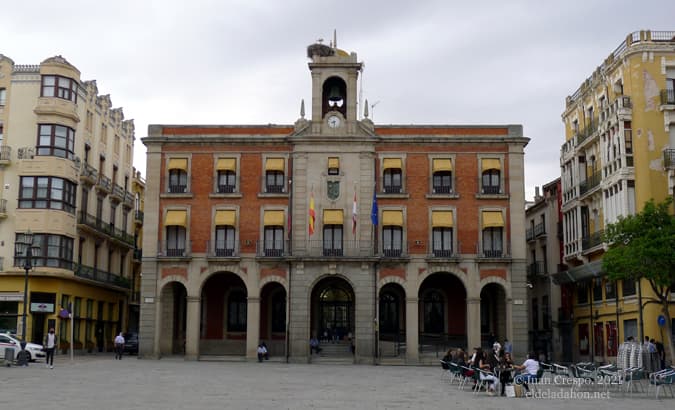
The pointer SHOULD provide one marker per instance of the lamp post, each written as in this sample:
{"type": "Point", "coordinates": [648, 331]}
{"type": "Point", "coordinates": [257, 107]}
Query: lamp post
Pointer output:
{"type": "Point", "coordinates": [27, 266]}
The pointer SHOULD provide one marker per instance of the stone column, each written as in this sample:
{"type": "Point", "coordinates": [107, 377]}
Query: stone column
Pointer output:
{"type": "Point", "coordinates": [473, 323]}
{"type": "Point", "coordinates": [192, 328]}
{"type": "Point", "coordinates": [252, 327]}
{"type": "Point", "coordinates": [412, 330]}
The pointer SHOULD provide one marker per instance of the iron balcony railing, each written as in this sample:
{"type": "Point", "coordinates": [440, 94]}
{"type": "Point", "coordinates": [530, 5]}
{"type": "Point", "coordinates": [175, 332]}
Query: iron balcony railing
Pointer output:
{"type": "Point", "coordinates": [272, 186]}
{"type": "Point", "coordinates": [88, 172]}
{"type": "Point", "coordinates": [497, 251]}
{"type": "Point", "coordinates": [590, 182]}
{"type": "Point", "coordinates": [669, 158]}
{"type": "Point", "coordinates": [104, 183]}
{"type": "Point", "coordinates": [392, 188]}
{"type": "Point", "coordinates": [128, 199]}
{"type": "Point", "coordinates": [5, 153]}
{"type": "Point", "coordinates": [174, 249]}
{"type": "Point", "coordinates": [138, 216]}
{"type": "Point", "coordinates": [223, 249]}
{"type": "Point", "coordinates": [590, 128]}
{"type": "Point", "coordinates": [104, 227]}
{"type": "Point", "coordinates": [444, 251]}
{"type": "Point", "coordinates": [536, 268]}
{"type": "Point", "coordinates": [667, 97]}
{"type": "Point", "coordinates": [98, 275]}
{"type": "Point", "coordinates": [529, 234]}
{"type": "Point", "coordinates": [117, 192]}
{"type": "Point", "coordinates": [273, 248]}
{"type": "Point", "coordinates": [491, 189]}
{"type": "Point", "coordinates": [592, 240]}
{"type": "Point", "coordinates": [395, 250]}
{"type": "Point", "coordinates": [539, 229]}
{"type": "Point", "coordinates": [442, 189]}
{"type": "Point", "coordinates": [177, 188]}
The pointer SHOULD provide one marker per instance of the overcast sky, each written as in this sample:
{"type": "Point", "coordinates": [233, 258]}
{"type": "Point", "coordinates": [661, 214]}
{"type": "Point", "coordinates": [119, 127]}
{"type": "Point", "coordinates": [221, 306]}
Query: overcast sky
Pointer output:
{"type": "Point", "coordinates": [426, 61]}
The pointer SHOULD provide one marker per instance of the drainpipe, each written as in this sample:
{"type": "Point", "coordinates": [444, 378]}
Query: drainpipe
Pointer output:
{"type": "Point", "coordinates": [642, 326]}
{"type": "Point", "coordinates": [376, 322]}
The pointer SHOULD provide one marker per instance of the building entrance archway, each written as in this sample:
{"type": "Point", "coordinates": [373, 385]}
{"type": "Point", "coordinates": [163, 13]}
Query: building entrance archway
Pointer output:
{"type": "Point", "coordinates": [332, 316]}
{"type": "Point", "coordinates": [174, 315]}
{"type": "Point", "coordinates": [442, 313]}
{"type": "Point", "coordinates": [224, 305]}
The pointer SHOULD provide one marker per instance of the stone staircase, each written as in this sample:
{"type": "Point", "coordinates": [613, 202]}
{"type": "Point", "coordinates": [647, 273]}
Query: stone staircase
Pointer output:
{"type": "Point", "coordinates": [334, 353]}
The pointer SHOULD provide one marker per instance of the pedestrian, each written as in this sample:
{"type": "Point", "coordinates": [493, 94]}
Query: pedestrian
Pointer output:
{"type": "Point", "coordinates": [119, 346]}
{"type": "Point", "coordinates": [508, 347]}
{"type": "Point", "coordinates": [314, 345]}
{"type": "Point", "coordinates": [661, 353]}
{"type": "Point", "coordinates": [50, 346]}
{"type": "Point", "coordinates": [262, 351]}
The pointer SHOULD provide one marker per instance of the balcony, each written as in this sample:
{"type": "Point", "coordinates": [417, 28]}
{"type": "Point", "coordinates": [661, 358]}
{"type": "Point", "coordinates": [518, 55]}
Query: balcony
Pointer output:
{"type": "Point", "coordinates": [536, 268]}
{"type": "Point", "coordinates": [443, 251]}
{"type": "Point", "coordinates": [669, 158]}
{"type": "Point", "coordinates": [491, 190]}
{"type": "Point", "coordinates": [101, 276]}
{"type": "Point", "coordinates": [334, 249]}
{"type": "Point", "coordinates": [128, 200]}
{"type": "Point", "coordinates": [592, 240]}
{"type": "Point", "coordinates": [667, 97]}
{"type": "Point", "coordinates": [177, 189]}
{"type": "Point", "coordinates": [88, 174]}
{"type": "Point", "coordinates": [104, 184]}
{"type": "Point", "coordinates": [529, 234]}
{"type": "Point", "coordinates": [273, 248]}
{"type": "Point", "coordinates": [138, 217]}
{"type": "Point", "coordinates": [5, 155]}
{"type": "Point", "coordinates": [174, 249]}
{"type": "Point", "coordinates": [539, 230]}
{"type": "Point", "coordinates": [117, 193]}
{"type": "Point", "coordinates": [583, 135]}
{"type": "Point", "coordinates": [3, 208]}
{"type": "Point", "coordinates": [395, 251]}
{"type": "Point", "coordinates": [222, 249]}
{"type": "Point", "coordinates": [392, 189]}
{"type": "Point", "coordinates": [590, 183]}
{"type": "Point", "coordinates": [104, 228]}
{"type": "Point", "coordinates": [496, 252]}
{"type": "Point", "coordinates": [138, 254]}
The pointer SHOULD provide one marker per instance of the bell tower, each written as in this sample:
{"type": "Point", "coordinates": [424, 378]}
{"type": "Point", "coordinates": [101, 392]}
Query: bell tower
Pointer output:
{"type": "Point", "coordinates": [335, 75]}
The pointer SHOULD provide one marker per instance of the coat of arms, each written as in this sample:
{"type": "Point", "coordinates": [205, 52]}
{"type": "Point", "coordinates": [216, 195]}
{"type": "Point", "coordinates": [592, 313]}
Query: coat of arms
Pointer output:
{"type": "Point", "coordinates": [333, 189]}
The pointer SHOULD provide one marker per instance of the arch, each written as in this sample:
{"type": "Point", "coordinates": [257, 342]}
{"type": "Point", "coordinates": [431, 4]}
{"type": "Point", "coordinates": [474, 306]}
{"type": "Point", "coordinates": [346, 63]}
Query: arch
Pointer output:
{"type": "Point", "coordinates": [391, 279]}
{"type": "Point", "coordinates": [443, 270]}
{"type": "Point", "coordinates": [320, 278]}
{"type": "Point", "coordinates": [173, 317]}
{"type": "Point", "coordinates": [168, 280]}
{"type": "Point", "coordinates": [334, 95]}
{"type": "Point", "coordinates": [442, 314]}
{"type": "Point", "coordinates": [273, 279]}
{"type": "Point", "coordinates": [392, 319]}
{"type": "Point", "coordinates": [493, 304]}
{"type": "Point", "coordinates": [273, 317]}
{"type": "Point", "coordinates": [223, 314]}
{"type": "Point", "coordinates": [496, 280]}
{"type": "Point", "coordinates": [235, 270]}
{"type": "Point", "coordinates": [332, 310]}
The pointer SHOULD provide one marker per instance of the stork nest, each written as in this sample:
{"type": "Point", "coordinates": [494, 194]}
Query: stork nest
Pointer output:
{"type": "Point", "coordinates": [321, 50]}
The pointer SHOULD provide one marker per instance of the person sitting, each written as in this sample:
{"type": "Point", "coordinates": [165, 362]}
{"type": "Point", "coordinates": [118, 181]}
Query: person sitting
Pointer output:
{"type": "Point", "coordinates": [485, 364]}
{"type": "Point", "coordinates": [314, 345]}
{"type": "Point", "coordinates": [505, 365]}
{"type": "Point", "coordinates": [447, 359]}
{"type": "Point", "coordinates": [266, 355]}
{"type": "Point", "coordinates": [530, 367]}
{"type": "Point", "coordinates": [262, 352]}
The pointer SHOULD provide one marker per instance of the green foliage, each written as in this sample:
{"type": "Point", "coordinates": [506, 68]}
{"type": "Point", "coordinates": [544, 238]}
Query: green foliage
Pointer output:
{"type": "Point", "coordinates": [643, 246]}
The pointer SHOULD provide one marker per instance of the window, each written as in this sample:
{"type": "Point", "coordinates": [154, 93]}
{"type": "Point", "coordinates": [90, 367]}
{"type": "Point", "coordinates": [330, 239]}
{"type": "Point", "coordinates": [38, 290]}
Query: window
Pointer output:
{"type": "Point", "coordinates": [224, 240]}
{"type": "Point", "coordinates": [332, 240]}
{"type": "Point", "coordinates": [274, 241]}
{"type": "Point", "coordinates": [3, 96]}
{"type": "Point", "coordinates": [434, 312]}
{"type": "Point", "coordinates": [2, 132]}
{"type": "Point", "coordinates": [236, 311]}
{"type": "Point", "coordinates": [99, 209]}
{"type": "Point", "coordinates": [546, 313]}
{"type": "Point", "coordinates": [333, 166]}
{"type": "Point", "coordinates": [492, 242]}
{"type": "Point", "coordinates": [628, 287]}
{"type": "Point", "coordinates": [392, 240]}
{"type": "Point", "coordinates": [610, 289]}
{"type": "Point", "coordinates": [56, 140]}
{"type": "Point", "coordinates": [116, 144]}
{"type": "Point", "coordinates": [113, 213]}
{"type": "Point", "coordinates": [630, 329]}
{"type": "Point", "coordinates": [392, 181]}
{"type": "Point", "coordinates": [279, 312]}
{"type": "Point", "coordinates": [175, 240]}
{"type": "Point", "coordinates": [48, 250]}
{"type": "Point", "coordinates": [60, 87]}
{"type": "Point", "coordinates": [274, 181]}
{"type": "Point", "coordinates": [227, 181]}
{"type": "Point", "coordinates": [535, 314]}
{"type": "Point", "coordinates": [47, 193]}
{"type": "Point", "coordinates": [491, 181]}
{"type": "Point", "coordinates": [597, 290]}
{"type": "Point", "coordinates": [177, 181]}
{"type": "Point", "coordinates": [389, 313]}
{"type": "Point", "coordinates": [442, 242]}
{"type": "Point", "coordinates": [442, 182]}
{"type": "Point", "coordinates": [582, 293]}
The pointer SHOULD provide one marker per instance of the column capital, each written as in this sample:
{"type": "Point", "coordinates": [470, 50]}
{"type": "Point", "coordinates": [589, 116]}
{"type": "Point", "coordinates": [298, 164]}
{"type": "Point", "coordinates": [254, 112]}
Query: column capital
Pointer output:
{"type": "Point", "coordinates": [193, 299]}
{"type": "Point", "coordinates": [412, 300]}
{"type": "Point", "coordinates": [472, 300]}
{"type": "Point", "coordinates": [253, 299]}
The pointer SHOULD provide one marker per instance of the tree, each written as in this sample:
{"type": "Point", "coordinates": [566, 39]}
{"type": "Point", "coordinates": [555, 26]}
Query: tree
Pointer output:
{"type": "Point", "coordinates": [642, 246]}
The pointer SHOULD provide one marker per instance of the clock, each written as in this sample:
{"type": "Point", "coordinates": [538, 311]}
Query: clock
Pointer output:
{"type": "Point", "coordinates": [334, 121]}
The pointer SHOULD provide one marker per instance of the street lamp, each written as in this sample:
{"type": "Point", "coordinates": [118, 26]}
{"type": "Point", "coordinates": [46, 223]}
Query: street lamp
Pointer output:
{"type": "Point", "coordinates": [27, 266]}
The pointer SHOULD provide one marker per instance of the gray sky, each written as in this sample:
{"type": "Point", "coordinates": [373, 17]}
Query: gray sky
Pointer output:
{"type": "Point", "coordinates": [426, 61]}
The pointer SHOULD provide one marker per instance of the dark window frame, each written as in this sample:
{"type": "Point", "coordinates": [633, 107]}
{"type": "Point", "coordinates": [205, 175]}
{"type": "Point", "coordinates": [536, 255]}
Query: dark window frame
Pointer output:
{"type": "Point", "coordinates": [333, 237]}
{"type": "Point", "coordinates": [224, 240]}
{"type": "Point", "coordinates": [64, 88]}
{"type": "Point", "coordinates": [47, 138]}
{"type": "Point", "coordinates": [392, 240]}
{"type": "Point", "coordinates": [226, 182]}
{"type": "Point", "coordinates": [274, 246]}
{"type": "Point", "coordinates": [178, 179]}
{"type": "Point", "coordinates": [176, 240]}
{"type": "Point", "coordinates": [491, 181]}
{"type": "Point", "coordinates": [493, 241]}
{"type": "Point", "coordinates": [392, 180]}
{"type": "Point", "coordinates": [48, 250]}
{"type": "Point", "coordinates": [442, 245]}
{"type": "Point", "coordinates": [275, 182]}
{"type": "Point", "coordinates": [442, 182]}
{"type": "Point", "coordinates": [30, 197]}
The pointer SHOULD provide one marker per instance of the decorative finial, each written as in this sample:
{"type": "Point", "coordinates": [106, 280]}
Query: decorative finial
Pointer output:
{"type": "Point", "coordinates": [334, 38]}
{"type": "Point", "coordinates": [302, 108]}
{"type": "Point", "coordinates": [365, 109]}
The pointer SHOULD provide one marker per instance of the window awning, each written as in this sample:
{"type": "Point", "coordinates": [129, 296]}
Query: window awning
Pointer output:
{"type": "Point", "coordinates": [275, 164]}
{"type": "Point", "coordinates": [491, 163]}
{"type": "Point", "coordinates": [582, 273]}
{"type": "Point", "coordinates": [441, 219]}
{"type": "Point", "coordinates": [178, 163]}
{"type": "Point", "coordinates": [392, 218]}
{"type": "Point", "coordinates": [440, 165]}
{"type": "Point", "coordinates": [333, 217]}
{"type": "Point", "coordinates": [334, 162]}
{"type": "Point", "coordinates": [176, 218]}
{"type": "Point", "coordinates": [493, 219]}
{"type": "Point", "coordinates": [392, 163]}
{"type": "Point", "coordinates": [226, 164]}
{"type": "Point", "coordinates": [225, 217]}
{"type": "Point", "coordinates": [273, 218]}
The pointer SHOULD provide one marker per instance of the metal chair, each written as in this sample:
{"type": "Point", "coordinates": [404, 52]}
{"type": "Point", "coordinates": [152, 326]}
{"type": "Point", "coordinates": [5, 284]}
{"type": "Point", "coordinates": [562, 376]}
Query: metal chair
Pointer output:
{"type": "Point", "coordinates": [663, 378]}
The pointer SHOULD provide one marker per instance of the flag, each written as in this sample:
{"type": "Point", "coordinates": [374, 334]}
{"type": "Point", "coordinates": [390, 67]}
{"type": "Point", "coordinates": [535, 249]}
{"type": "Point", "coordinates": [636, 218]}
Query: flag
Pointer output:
{"type": "Point", "coordinates": [373, 209]}
{"type": "Point", "coordinates": [312, 214]}
{"type": "Point", "coordinates": [354, 215]}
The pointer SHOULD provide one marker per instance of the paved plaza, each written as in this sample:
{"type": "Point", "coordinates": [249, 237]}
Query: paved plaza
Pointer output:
{"type": "Point", "coordinates": [100, 382]}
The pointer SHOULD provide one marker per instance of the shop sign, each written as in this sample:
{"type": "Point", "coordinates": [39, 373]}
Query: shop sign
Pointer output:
{"type": "Point", "coordinates": [41, 307]}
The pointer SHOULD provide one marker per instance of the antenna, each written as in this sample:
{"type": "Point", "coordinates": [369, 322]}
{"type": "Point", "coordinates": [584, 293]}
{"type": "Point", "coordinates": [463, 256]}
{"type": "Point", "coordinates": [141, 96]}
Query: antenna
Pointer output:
{"type": "Point", "coordinates": [372, 109]}
{"type": "Point", "coordinates": [334, 38]}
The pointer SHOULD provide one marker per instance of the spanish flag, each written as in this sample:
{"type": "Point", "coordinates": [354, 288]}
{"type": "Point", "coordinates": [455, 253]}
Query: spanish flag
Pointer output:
{"type": "Point", "coordinates": [312, 214]}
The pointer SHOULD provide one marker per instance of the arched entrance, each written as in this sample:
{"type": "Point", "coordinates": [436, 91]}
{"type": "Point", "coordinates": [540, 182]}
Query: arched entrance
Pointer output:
{"type": "Point", "coordinates": [442, 314]}
{"type": "Point", "coordinates": [273, 318]}
{"type": "Point", "coordinates": [332, 315]}
{"type": "Point", "coordinates": [392, 321]}
{"type": "Point", "coordinates": [492, 314]}
{"type": "Point", "coordinates": [223, 315]}
{"type": "Point", "coordinates": [173, 319]}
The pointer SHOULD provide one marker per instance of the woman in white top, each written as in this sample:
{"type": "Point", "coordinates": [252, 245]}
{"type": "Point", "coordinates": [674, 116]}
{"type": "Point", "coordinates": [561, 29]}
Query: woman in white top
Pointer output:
{"type": "Point", "coordinates": [530, 367]}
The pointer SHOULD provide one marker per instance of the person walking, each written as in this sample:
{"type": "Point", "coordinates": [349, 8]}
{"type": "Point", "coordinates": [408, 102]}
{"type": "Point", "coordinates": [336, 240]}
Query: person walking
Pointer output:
{"type": "Point", "coordinates": [50, 346]}
{"type": "Point", "coordinates": [119, 346]}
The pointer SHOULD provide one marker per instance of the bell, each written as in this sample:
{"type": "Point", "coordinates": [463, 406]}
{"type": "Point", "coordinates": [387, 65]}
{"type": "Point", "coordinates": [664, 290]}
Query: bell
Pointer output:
{"type": "Point", "coordinates": [334, 94]}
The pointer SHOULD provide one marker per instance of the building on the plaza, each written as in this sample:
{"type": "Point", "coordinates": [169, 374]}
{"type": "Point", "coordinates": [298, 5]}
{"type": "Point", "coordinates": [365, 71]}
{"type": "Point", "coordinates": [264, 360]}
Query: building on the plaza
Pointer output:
{"type": "Point", "coordinates": [138, 190]}
{"type": "Point", "coordinates": [271, 232]}
{"type": "Point", "coordinates": [66, 172]}
{"type": "Point", "coordinates": [549, 331]}
{"type": "Point", "coordinates": [619, 138]}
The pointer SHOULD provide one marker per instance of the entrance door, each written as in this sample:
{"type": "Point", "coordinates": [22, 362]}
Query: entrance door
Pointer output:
{"type": "Point", "coordinates": [38, 328]}
{"type": "Point", "coordinates": [334, 314]}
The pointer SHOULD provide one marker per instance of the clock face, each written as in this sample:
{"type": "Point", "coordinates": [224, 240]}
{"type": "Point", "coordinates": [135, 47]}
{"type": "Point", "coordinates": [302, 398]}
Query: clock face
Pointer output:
{"type": "Point", "coordinates": [334, 121]}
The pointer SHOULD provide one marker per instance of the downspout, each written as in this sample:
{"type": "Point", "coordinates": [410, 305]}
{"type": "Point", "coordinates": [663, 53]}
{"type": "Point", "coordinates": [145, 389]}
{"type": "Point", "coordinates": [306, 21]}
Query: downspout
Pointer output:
{"type": "Point", "coordinates": [290, 251]}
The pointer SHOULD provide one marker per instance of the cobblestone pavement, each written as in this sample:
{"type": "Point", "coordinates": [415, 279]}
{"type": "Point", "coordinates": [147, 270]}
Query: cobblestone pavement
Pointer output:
{"type": "Point", "coordinates": [100, 382]}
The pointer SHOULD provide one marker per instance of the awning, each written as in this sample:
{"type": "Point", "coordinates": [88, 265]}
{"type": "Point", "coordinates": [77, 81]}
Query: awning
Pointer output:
{"type": "Point", "coordinates": [392, 218]}
{"type": "Point", "coordinates": [176, 218]}
{"type": "Point", "coordinates": [178, 163]}
{"type": "Point", "coordinates": [441, 219]}
{"type": "Point", "coordinates": [582, 273]}
{"type": "Point", "coordinates": [225, 218]}
{"type": "Point", "coordinates": [392, 163]}
{"type": "Point", "coordinates": [490, 163]}
{"type": "Point", "coordinates": [441, 165]}
{"type": "Point", "coordinates": [493, 219]}
{"type": "Point", "coordinates": [273, 218]}
{"type": "Point", "coordinates": [226, 164]}
{"type": "Point", "coordinates": [334, 162]}
{"type": "Point", "coordinates": [333, 217]}
{"type": "Point", "coordinates": [275, 164]}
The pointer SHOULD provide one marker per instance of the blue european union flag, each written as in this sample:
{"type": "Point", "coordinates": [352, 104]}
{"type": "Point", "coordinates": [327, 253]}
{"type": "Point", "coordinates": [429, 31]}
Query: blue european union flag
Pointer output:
{"type": "Point", "coordinates": [373, 210]}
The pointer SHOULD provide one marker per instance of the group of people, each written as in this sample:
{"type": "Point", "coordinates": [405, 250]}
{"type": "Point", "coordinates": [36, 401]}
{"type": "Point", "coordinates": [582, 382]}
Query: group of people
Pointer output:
{"type": "Point", "coordinates": [497, 366]}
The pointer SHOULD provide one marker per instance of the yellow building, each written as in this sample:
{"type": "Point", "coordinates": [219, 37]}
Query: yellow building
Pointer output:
{"type": "Point", "coordinates": [66, 172]}
{"type": "Point", "coordinates": [617, 136]}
